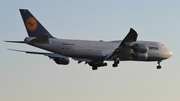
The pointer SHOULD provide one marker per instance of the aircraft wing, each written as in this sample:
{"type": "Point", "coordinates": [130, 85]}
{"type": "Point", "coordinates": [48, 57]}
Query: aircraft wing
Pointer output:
{"type": "Point", "coordinates": [53, 55]}
{"type": "Point", "coordinates": [130, 38]}
{"type": "Point", "coordinates": [50, 55]}
{"type": "Point", "coordinates": [125, 46]}
{"type": "Point", "coordinates": [82, 60]}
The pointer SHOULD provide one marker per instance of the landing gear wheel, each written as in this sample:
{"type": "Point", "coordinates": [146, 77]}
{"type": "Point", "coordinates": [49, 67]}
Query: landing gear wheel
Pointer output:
{"type": "Point", "coordinates": [115, 65]}
{"type": "Point", "coordinates": [104, 64]}
{"type": "Point", "coordinates": [116, 62]}
{"type": "Point", "coordinates": [94, 68]}
{"type": "Point", "coordinates": [158, 67]}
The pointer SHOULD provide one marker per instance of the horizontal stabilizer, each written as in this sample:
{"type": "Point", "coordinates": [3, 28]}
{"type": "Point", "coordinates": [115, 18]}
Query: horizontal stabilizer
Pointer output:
{"type": "Point", "coordinates": [15, 41]}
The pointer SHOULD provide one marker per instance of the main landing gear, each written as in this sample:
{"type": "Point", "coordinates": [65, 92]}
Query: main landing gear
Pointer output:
{"type": "Point", "coordinates": [159, 66]}
{"type": "Point", "coordinates": [116, 62]}
{"type": "Point", "coordinates": [95, 65]}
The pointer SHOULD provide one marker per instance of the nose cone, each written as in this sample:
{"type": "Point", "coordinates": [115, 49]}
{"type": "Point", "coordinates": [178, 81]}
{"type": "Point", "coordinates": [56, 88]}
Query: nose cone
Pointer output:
{"type": "Point", "coordinates": [167, 52]}
{"type": "Point", "coordinates": [170, 54]}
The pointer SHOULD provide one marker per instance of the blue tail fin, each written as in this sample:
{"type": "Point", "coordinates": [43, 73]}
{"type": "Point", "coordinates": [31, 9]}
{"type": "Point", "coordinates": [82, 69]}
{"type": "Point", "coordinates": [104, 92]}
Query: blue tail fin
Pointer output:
{"type": "Point", "coordinates": [33, 26]}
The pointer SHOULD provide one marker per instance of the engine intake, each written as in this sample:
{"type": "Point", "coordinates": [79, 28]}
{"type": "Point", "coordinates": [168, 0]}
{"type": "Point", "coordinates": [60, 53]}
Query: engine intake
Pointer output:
{"type": "Point", "coordinates": [62, 61]}
{"type": "Point", "coordinates": [140, 48]}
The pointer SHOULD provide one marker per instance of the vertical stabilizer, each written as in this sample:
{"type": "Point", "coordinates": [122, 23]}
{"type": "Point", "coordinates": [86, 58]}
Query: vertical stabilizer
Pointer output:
{"type": "Point", "coordinates": [33, 26]}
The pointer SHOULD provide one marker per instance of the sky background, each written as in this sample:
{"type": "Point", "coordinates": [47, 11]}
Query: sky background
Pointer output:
{"type": "Point", "coordinates": [25, 77]}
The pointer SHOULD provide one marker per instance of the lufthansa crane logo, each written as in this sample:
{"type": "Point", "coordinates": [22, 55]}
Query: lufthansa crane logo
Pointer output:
{"type": "Point", "coordinates": [31, 24]}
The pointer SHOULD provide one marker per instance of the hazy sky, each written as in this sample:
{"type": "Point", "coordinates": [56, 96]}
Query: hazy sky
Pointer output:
{"type": "Point", "coordinates": [25, 77]}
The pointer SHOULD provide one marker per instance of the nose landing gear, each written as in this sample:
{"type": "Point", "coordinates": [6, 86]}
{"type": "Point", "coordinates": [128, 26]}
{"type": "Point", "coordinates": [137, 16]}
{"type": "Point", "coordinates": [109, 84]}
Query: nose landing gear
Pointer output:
{"type": "Point", "coordinates": [159, 66]}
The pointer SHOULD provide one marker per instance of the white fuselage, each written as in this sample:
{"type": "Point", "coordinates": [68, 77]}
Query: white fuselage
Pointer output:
{"type": "Point", "coordinates": [100, 49]}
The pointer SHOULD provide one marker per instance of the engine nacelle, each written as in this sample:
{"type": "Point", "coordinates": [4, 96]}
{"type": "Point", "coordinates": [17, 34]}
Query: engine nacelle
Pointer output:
{"type": "Point", "coordinates": [62, 61]}
{"type": "Point", "coordinates": [140, 48]}
{"type": "Point", "coordinates": [140, 56]}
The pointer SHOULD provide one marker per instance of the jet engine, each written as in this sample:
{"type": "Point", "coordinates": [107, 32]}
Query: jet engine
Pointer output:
{"type": "Point", "coordinates": [62, 61]}
{"type": "Point", "coordinates": [140, 48]}
{"type": "Point", "coordinates": [140, 56]}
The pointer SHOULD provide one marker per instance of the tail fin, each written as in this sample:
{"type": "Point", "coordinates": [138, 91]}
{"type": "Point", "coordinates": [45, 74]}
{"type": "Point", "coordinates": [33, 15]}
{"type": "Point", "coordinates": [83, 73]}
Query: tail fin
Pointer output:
{"type": "Point", "coordinates": [33, 26]}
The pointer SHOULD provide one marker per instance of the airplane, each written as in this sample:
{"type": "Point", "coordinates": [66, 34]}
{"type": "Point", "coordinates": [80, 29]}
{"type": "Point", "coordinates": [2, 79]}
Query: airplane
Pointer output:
{"type": "Point", "coordinates": [93, 53]}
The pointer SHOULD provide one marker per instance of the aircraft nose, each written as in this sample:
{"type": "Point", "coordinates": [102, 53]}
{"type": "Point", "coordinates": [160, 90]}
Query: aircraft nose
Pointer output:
{"type": "Point", "coordinates": [170, 54]}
